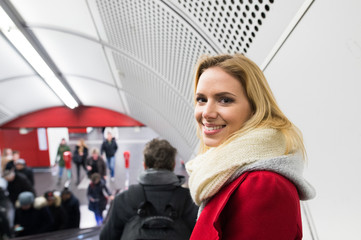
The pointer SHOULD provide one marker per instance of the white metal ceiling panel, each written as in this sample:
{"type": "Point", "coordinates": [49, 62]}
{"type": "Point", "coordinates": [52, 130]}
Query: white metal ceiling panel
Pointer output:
{"type": "Point", "coordinates": [65, 14]}
{"type": "Point", "coordinates": [252, 27]}
{"type": "Point", "coordinates": [95, 93]}
{"type": "Point", "coordinates": [12, 65]}
{"type": "Point", "coordinates": [155, 53]}
{"type": "Point", "coordinates": [26, 95]}
{"type": "Point", "coordinates": [75, 55]}
{"type": "Point", "coordinates": [154, 118]}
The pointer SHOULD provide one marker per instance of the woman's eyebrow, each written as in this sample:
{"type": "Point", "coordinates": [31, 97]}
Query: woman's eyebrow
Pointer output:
{"type": "Point", "coordinates": [224, 93]}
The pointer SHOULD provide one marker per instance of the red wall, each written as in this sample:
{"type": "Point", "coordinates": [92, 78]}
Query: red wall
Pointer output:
{"type": "Point", "coordinates": [27, 144]}
{"type": "Point", "coordinates": [79, 117]}
{"type": "Point", "coordinates": [76, 120]}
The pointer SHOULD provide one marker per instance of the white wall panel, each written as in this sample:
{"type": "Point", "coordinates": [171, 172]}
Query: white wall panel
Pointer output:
{"type": "Point", "coordinates": [316, 79]}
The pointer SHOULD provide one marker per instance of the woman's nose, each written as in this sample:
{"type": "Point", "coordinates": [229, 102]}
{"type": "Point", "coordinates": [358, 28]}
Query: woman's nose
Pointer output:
{"type": "Point", "coordinates": [209, 111]}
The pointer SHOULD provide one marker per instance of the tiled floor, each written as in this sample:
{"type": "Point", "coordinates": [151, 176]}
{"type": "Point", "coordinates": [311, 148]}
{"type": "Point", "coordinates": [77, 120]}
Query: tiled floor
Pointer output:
{"type": "Point", "coordinates": [130, 139]}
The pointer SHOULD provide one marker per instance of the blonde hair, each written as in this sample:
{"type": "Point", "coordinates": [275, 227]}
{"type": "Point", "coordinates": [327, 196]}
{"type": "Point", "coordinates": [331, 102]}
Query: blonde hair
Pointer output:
{"type": "Point", "coordinates": [95, 150]}
{"type": "Point", "coordinates": [81, 145]}
{"type": "Point", "coordinates": [266, 113]}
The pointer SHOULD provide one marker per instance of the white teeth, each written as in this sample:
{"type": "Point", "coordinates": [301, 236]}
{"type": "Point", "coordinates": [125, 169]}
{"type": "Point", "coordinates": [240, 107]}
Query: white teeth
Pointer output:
{"type": "Point", "coordinates": [213, 128]}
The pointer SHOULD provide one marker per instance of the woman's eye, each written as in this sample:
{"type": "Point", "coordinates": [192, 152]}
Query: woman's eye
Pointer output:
{"type": "Point", "coordinates": [226, 100]}
{"type": "Point", "coordinates": [201, 99]}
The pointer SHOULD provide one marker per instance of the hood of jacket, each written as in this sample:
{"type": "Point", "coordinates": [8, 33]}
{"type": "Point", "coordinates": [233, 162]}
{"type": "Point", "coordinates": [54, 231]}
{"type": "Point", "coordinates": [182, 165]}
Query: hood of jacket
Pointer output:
{"type": "Point", "coordinates": [160, 177]}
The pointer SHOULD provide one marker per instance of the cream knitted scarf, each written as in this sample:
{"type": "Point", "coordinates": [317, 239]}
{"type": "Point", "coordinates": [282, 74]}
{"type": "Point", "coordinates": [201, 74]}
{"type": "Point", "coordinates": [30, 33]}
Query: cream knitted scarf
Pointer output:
{"type": "Point", "coordinates": [208, 172]}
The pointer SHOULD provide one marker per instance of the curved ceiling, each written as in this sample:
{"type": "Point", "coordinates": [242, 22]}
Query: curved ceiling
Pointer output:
{"type": "Point", "coordinates": [135, 57]}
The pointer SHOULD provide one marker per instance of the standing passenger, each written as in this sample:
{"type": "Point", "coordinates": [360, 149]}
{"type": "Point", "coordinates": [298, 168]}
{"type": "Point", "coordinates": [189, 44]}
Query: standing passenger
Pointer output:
{"type": "Point", "coordinates": [30, 219]}
{"type": "Point", "coordinates": [20, 166]}
{"type": "Point", "coordinates": [56, 210]}
{"type": "Point", "coordinates": [71, 206]}
{"type": "Point", "coordinates": [248, 178]}
{"type": "Point", "coordinates": [79, 158]}
{"type": "Point", "coordinates": [17, 183]}
{"type": "Point", "coordinates": [96, 164]}
{"type": "Point", "coordinates": [110, 147]}
{"type": "Point", "coordinates": [160, 185]}
{"type": "Point", "coordinates": [7, 161]}
{"type": "Point", "coordinates": [97, 199]}
{"type": "Point", "coordinates": [63, 147]}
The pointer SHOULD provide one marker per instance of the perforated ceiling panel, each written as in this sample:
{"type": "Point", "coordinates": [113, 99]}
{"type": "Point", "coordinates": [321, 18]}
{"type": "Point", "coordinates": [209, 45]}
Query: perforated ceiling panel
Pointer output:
{"type": "Point", "coordinates": [155, 46]}
{"type": "Point", "coordinates": [157, 76]}
{"type": "Point", "coordinates": [233, 24]}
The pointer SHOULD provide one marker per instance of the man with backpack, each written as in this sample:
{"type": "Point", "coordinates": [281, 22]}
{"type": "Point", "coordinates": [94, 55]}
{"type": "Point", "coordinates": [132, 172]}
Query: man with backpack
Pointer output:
{"type": "Point", "coordinates": [156, 208]}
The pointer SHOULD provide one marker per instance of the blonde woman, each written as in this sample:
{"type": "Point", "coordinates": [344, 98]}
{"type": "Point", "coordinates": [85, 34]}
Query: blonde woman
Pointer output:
{"type": "Point", "coordinates": [79, 158]}
{"type": "Point", "coordinates": [247, 178]}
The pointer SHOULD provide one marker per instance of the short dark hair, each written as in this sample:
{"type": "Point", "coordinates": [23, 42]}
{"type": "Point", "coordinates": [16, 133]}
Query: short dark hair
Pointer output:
{"type": "Point", "coordinates": [95, 177]}
{"type": "Point", "coordinates": [159, 154]}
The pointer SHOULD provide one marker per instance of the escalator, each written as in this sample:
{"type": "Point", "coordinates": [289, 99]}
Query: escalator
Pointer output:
{"type": "Point", "coordinates": [68, 234]}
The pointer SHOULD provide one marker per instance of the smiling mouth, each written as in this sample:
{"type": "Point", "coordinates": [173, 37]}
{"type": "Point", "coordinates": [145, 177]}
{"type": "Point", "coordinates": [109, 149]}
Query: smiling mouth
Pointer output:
{"type": "Point", "coordinates": [213, 128]}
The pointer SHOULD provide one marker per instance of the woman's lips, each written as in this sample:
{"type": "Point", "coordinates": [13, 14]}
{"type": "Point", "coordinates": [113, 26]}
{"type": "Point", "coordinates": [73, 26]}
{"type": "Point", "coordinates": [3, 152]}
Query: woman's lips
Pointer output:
{"type": "Point", "coordinates": [212, 129]}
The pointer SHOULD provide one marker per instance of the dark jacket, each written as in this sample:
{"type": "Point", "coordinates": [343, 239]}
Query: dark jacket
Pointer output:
{"type": "Point", "coordinates": [158, 186]}
{"type": "Point", "coordinates": [98, 166]}
{"type": "Point", "coordinates": [95, 192]}
{"type": "Point", "coordinates": [109, 148]}
{"type": "Point", "coordinates": [34, 221]}
{"type": "Point", "coordinates": [80, 159]}
{"type": "Point", "coordinates": [20, 184]}
{"type": "Point", "coordinates": [5, 207]}
{"type": "Point", "coordinates": [72, 209]}
{"type": "Point", "coordinates": [58, 214]}
{"type": "Point", "coordinates": [28, 172]}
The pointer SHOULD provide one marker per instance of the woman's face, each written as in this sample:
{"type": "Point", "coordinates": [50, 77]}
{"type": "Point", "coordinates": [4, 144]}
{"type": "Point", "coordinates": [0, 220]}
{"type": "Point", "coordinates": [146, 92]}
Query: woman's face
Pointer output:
{"type": "Point", "coordinates": [222, 106]}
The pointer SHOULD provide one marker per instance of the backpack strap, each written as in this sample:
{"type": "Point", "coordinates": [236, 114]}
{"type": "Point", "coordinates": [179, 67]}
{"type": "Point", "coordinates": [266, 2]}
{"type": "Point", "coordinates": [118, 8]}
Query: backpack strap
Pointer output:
{"type": "Point", "coordinates": [136, 195]}
{"type": "Point", "coordinates": [177, 202]}
{"type": "Point", "coordinates": [138, 200]}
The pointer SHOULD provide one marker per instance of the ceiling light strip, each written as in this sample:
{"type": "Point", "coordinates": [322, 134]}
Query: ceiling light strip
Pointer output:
{"type": "Point", "coordinates": [31, 55]}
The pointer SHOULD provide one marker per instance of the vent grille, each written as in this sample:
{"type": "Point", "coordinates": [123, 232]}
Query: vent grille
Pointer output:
{"type": "Point", "coordinates": [234, 24]}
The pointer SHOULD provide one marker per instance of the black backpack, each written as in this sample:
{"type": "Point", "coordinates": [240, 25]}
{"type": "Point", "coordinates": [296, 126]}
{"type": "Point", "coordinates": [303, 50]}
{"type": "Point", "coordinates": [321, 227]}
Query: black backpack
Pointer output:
{"type": "Point", "coordinates": [150, 224]}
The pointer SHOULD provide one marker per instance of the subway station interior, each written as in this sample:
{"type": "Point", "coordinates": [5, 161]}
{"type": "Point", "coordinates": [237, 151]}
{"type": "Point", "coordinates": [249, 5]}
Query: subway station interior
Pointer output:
{"type": "Point", "coordinates": [72, 68]}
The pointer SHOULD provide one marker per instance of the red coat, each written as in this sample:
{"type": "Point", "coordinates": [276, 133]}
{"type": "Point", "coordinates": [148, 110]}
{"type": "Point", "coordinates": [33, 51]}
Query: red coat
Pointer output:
{"type": "Point", "coordinates": [257, 205]}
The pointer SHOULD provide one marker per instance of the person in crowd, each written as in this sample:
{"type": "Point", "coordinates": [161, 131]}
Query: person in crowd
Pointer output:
{"type": "Point", "coordinates": [159, 183]}
{"type": "Point", "coordinates": [97, 199]}
{"type": "Point", "coordinates": [30, 219]}
{"type": "Point", "coordinates": [57, 211]}
{"type": "Point", "coordinates": [71, 205]}
{"type": "Point", "coordinates": [109, 146]}
{"type": "Point", "coordinates": [79, 158]}
{"type": "Point", "coordinates": [6, 210]}
{"type": "Point", "coordinates": [20, 167]}
{"type": "Point", "coordinates": [17, 183]}
{"type": "Point", "coordinates": [63, 147]}
{"type": "Point", "coordinates": [247, 178]}
{"type": "Point", "coordinates": [96, 164]}
{"type": "Point", "coordinates": [7, 161]}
